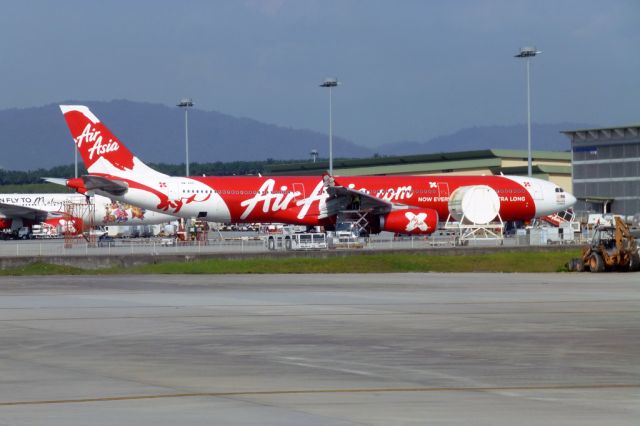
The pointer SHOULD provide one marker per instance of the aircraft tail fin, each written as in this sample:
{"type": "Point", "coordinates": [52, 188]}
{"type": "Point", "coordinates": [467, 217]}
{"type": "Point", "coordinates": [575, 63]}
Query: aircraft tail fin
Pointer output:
{"type": "Point", "coordinates": [101, 151]}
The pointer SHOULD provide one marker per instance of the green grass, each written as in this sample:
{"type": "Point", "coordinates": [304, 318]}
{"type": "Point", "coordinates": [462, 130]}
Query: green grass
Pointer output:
{"type": "Point", "coordinates": [497, 262]}
{"type": "Point", "coordinates": [39, 268]}
{"type": "Point", "coordinates": [374, 263]}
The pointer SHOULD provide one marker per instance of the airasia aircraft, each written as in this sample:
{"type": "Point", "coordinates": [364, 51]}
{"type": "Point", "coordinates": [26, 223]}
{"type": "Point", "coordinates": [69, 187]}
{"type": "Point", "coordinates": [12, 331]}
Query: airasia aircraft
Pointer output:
{"type": "Point", "coordinates": [19, 210]}
{"type": "Point", "coordinates": [403, 204]}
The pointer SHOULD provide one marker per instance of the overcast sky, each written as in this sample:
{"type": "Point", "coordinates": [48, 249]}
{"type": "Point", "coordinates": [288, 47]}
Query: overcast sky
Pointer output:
{"type": "Point", "coordinates": [410, 70]}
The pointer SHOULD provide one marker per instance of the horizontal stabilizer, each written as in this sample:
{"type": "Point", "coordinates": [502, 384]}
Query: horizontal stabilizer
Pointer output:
{"type": "Point", "coordinates": [57, 181]}
{"type": "Point", "coordinates": [92, 183]}
{"type": "Point", "coordinates": [111, 186]}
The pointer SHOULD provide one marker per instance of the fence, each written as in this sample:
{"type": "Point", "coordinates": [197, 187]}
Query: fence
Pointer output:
{"type": "Point", "coordinates": [56, 247]}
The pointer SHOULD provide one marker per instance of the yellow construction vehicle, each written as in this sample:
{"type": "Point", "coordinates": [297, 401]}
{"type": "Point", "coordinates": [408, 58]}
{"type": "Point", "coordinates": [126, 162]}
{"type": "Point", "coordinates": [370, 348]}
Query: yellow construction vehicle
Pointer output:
{"type": "Point", "coordinates": [612, 248]}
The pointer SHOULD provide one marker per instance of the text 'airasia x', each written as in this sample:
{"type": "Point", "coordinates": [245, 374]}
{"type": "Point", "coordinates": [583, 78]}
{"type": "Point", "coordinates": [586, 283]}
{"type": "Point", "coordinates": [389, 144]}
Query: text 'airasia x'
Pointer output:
{"type": "Point", "coordinates": [402, 204]}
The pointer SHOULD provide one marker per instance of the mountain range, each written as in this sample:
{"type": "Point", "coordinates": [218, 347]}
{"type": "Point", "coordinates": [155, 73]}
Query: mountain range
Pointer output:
{"type": "Point", "coordinates": [37, 137]}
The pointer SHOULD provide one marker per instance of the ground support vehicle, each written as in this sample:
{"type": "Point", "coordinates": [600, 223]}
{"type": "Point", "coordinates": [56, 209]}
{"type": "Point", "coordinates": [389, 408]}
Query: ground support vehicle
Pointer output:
{"type": "Point", "coordinates": [44, 230]}
{"type": "Point", "coordinates": [612, 248]}
{"type": "Point", "coordinates": [297, 241]}
{"type": "Point", "coordinates": [22, 233]}
{"type": "Point", "coordinates": [348, 234]}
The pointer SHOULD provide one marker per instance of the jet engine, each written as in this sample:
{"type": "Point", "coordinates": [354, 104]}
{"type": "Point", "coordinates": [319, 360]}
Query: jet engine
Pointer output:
{"type": "Point", "coordinates": [477, 204]}
{"type": "Point", "coordinates": [410, 221]}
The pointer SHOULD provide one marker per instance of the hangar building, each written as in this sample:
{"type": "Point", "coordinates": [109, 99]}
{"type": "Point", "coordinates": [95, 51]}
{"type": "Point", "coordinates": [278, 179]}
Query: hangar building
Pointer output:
{"type": "Point", "coordinates": [550, 165]}
{"type": "Point", "coordinates": [606, 169]}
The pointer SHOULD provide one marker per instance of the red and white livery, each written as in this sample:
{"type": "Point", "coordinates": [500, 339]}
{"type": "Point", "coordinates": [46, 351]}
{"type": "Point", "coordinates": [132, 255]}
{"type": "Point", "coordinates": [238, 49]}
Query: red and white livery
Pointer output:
{"type": "Point", "coordinates": [403, 204]}
{"type": "Point", "coordinates": [52, 210]}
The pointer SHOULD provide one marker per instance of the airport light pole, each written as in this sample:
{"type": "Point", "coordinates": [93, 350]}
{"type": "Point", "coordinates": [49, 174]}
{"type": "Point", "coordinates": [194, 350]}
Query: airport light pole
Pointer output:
{"type": "Point", "coordinates": [528, 53]}
{"type": "Point", "coordinates": [186, 103]}
{"type": "Point", "coordinates": [330, 83]}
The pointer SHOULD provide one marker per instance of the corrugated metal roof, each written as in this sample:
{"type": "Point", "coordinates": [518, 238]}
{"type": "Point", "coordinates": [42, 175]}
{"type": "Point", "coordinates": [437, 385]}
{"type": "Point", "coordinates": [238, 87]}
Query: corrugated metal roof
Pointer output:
{"type": "Point", "coordinates": [443, 166]}
{"type": "Point", "coordinates": [595, 129]}
{"type": "Point", "coordinates": [542, 168]}
{"type": "Point", "coordinates": [438, 159]}
{"type": "Point", "coordinates": [537, 155]}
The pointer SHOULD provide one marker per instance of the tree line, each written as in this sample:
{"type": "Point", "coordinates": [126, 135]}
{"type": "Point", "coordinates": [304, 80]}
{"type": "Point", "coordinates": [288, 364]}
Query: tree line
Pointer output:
{"type": "Point", "coordinates": [239, 168]}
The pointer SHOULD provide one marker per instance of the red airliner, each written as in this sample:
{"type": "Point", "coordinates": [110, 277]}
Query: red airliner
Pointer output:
{"type": "Point", "coordinates": [402, 204]}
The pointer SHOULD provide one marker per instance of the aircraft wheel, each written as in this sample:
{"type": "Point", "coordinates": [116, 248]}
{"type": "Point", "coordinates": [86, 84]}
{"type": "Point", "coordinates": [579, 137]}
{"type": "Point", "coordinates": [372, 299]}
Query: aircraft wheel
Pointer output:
{"type": "Point", "coordinates": [596, 264]}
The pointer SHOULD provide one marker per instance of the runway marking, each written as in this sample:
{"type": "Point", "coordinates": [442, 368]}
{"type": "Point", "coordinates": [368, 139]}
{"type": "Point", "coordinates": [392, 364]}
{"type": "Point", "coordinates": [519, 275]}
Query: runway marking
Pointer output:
{"type": "Point", "coordinates": [326, 391]}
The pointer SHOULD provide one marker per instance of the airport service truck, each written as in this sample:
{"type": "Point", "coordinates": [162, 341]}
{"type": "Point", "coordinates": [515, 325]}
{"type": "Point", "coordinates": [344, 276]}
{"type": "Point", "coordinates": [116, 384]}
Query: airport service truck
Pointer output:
{"type": "Point", "coordinates": [289, 239]}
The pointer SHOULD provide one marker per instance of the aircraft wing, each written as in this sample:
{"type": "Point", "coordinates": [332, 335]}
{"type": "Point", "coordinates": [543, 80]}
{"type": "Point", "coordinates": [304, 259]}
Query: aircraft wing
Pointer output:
{"type": "Point", "coordinates": [14, 212]}
{"type": "Point", "coordinates": [341, 198]}
{"type": "Point", "coordinates": [112, 186]}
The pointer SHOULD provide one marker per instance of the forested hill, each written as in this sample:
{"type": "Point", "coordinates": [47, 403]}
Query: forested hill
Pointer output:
{"type": "Point", "coordinates": [38, 137]}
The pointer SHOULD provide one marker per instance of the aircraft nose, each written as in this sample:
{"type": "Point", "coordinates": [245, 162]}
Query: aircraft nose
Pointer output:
{"type": "Point", "coordinates": [570, 199]}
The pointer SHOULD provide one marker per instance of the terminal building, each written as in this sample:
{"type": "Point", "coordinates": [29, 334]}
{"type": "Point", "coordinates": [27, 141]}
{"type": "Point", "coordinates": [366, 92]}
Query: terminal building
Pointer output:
{"type": "Point", "coordinates": [550, 165]}
{"type": "Point", "coordinates": [606, 169]}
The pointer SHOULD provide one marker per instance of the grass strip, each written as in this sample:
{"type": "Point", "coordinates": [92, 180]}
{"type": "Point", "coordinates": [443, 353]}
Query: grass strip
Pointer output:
{"type": "Point", "coordinates": [41, 268]}
{"type": "Point", "coordinates": [534, 261]}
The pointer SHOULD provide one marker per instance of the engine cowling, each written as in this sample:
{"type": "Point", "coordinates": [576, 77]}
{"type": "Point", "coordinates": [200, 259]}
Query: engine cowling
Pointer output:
{"type": "Point", "coordinates": [410, 221]}
{"type": "Point", "coordinates": [71, 225]}
{"type": "Point", "coordinates": [478, 204]}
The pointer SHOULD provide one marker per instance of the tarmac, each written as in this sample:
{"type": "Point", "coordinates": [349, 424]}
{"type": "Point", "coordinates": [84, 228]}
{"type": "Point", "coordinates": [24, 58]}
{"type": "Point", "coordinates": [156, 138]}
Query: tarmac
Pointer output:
{"type": "Point", "coordinates": [353, 349]}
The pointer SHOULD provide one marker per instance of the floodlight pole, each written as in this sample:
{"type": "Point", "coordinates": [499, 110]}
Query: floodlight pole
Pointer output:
{"type": "Point", "coordinates": [529, 159]}
{"type": "Point", "coordinates": [186, 103]}
{"type": "Point", "coordinates": [330, 83]}
{"type": "Point", "coordinates": [528, 53]}
{"type": "Point", "coordinates": [330, 134]}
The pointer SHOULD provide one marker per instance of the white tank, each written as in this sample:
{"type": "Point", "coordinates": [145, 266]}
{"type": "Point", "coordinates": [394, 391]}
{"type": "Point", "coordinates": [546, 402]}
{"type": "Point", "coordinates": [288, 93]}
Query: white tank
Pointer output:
{"type": "Point", "coordinates": [478, 204]}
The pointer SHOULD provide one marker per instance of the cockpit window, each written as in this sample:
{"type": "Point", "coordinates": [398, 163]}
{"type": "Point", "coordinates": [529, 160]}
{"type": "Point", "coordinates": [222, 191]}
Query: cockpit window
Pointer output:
{"type": "Point", "coordinates": [558, 189]}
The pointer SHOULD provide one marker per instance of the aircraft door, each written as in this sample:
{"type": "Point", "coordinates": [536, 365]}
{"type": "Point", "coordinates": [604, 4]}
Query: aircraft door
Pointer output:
{"type": "Point", "coordinates": [298, 190]}
{"type": "Point", "coordinates": [174, 189]}
{"type": "Point", "coordinates": [443, 189]}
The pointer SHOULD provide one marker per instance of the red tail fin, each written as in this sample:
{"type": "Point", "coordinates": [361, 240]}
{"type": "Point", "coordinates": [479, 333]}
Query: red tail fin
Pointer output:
{"type": "Point", "coordinates": [100, 149]}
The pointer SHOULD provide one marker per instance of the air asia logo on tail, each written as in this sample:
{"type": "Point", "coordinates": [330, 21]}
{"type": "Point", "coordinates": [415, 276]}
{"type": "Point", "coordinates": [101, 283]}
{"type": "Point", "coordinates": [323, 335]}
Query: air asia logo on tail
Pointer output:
{"type": "Point", "coordinates": [90, 134]}
{"type": "Point", "coordinates": [94, 140]}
